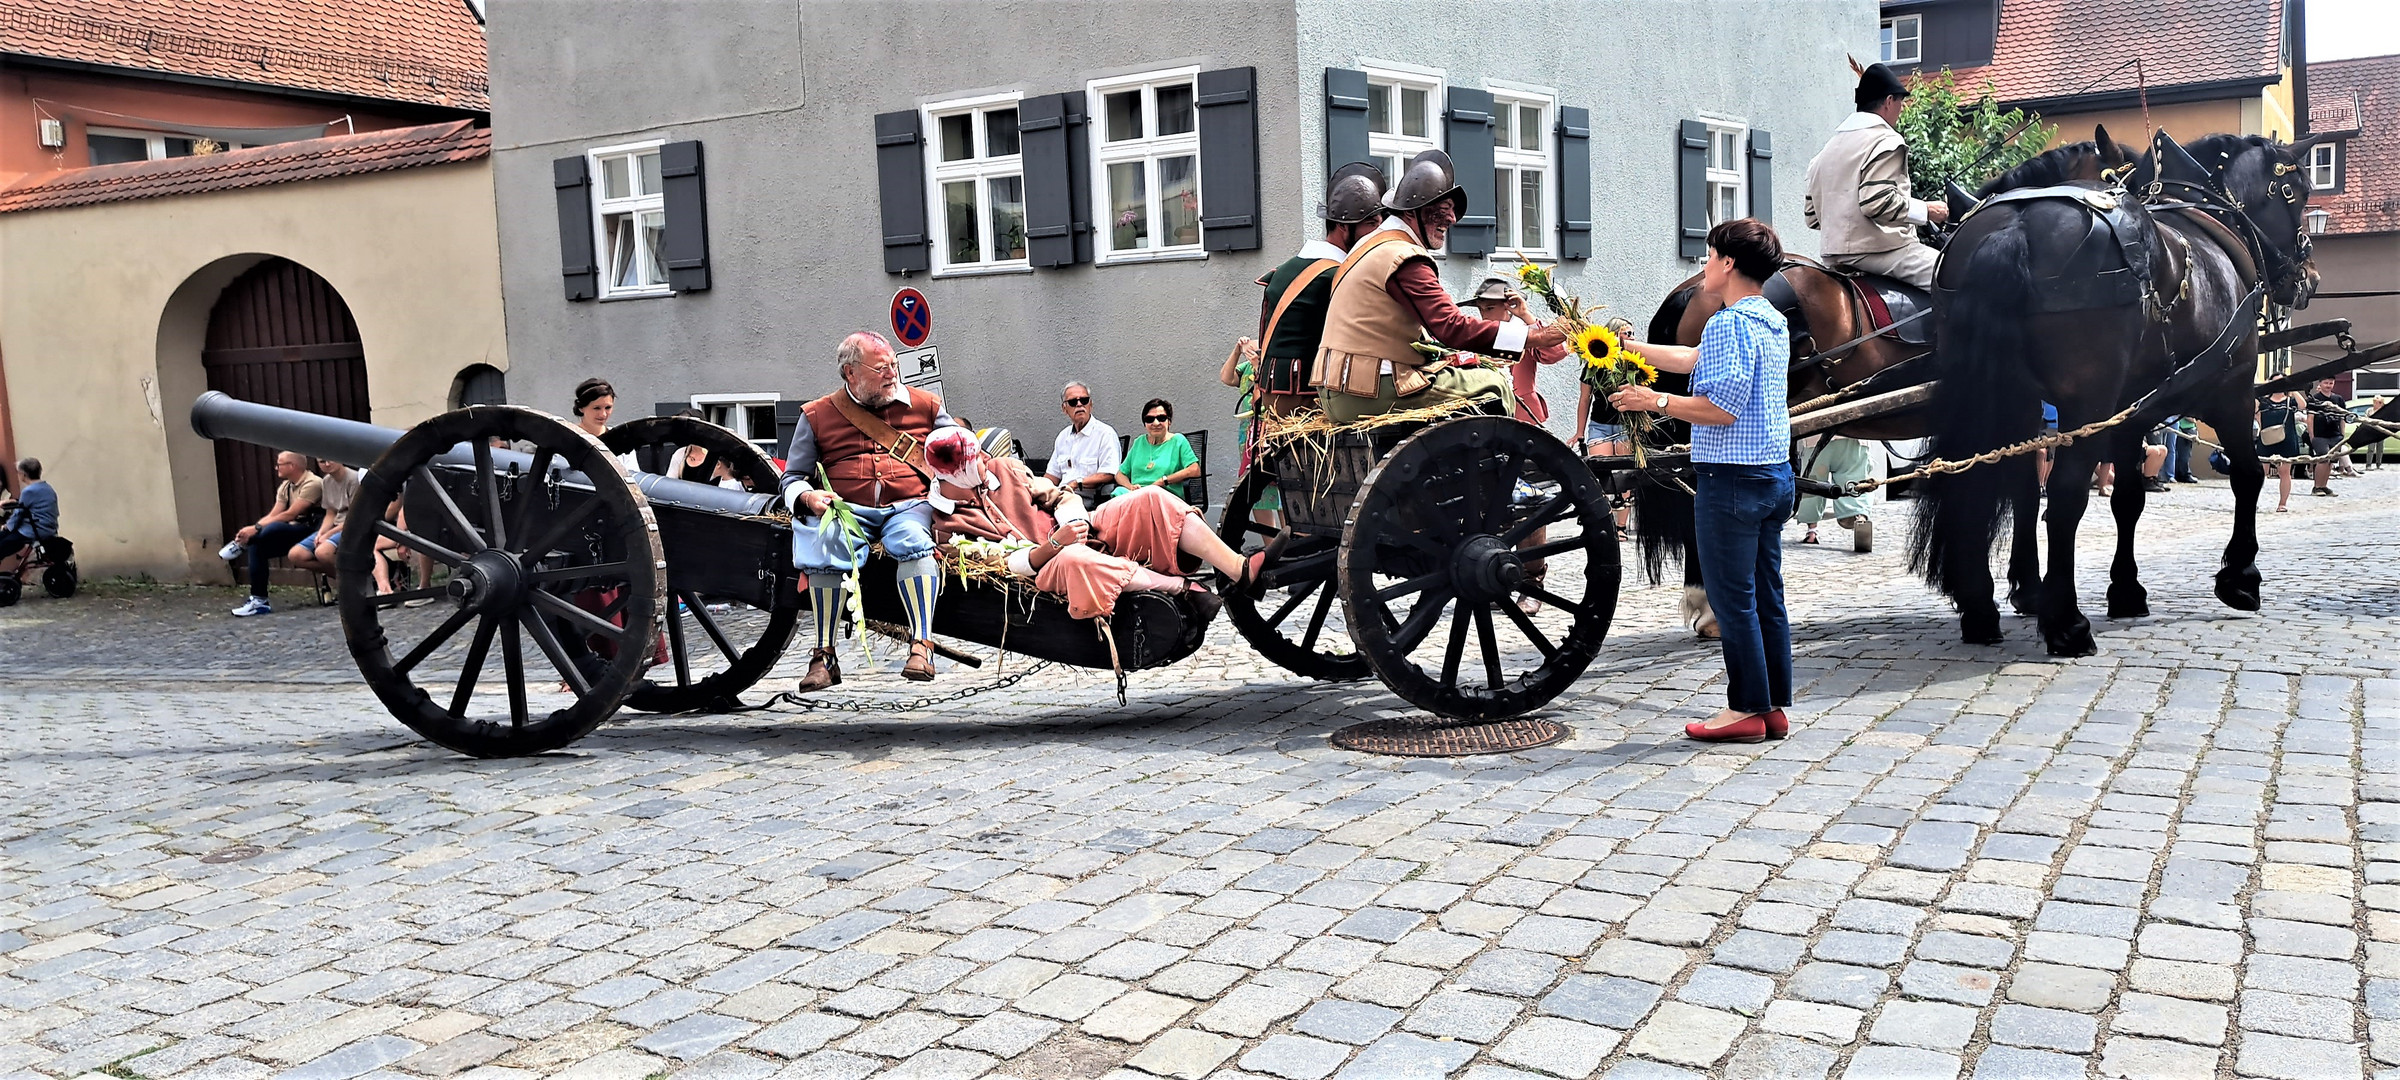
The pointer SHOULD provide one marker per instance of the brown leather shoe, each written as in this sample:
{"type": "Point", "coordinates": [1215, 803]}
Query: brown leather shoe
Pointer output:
{"type": "Point", "coordinates": [920, 662]}
{"type": "Point", "coordinates": [824, 669]}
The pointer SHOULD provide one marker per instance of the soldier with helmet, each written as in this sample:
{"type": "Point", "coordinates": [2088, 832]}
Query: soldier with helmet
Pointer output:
{"type": "Point", "coordinates": [1291, 316]}
{"type": "Point", "coordinates": [1386, 296]}
{"type": "Point", "coordinates": [1858, 192]}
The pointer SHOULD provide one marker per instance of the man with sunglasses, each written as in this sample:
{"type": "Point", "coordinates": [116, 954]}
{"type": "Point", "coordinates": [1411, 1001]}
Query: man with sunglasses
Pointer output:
{"type": "Point", "coordinates": [1084, 460]}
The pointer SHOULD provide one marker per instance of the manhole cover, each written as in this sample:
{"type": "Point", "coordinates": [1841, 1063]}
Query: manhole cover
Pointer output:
{"type": "Point", "coordinates": [1410, 738]}
{"type": "Point", "coordinates": [236, 853]}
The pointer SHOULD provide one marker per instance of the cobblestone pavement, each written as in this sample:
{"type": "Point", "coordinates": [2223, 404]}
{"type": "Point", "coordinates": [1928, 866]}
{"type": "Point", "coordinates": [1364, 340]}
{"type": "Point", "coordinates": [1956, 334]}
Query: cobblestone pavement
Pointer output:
{"type": "Point", "coordinates": [2181, 857]}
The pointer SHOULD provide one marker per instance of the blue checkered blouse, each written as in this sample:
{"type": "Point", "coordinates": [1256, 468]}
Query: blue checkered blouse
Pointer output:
{"type": "Point", "coordinates": [1743, 354]}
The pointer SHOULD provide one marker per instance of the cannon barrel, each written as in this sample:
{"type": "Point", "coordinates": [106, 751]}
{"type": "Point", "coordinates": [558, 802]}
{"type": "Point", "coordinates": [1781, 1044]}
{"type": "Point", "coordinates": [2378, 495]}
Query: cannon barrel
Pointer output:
{"type": "Point", "coordinates": [216, 415]}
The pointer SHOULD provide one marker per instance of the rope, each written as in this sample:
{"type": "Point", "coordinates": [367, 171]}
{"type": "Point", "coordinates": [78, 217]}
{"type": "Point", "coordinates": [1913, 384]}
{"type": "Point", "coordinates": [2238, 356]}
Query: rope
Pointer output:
{"type": "Point", "coordinates": [1939, 466]}
{"type": "Point", "coordinates": [2335, 454]}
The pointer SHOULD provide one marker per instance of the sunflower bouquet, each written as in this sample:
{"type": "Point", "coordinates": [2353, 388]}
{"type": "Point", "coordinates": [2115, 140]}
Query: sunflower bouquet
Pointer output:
{"type": "Point", "coordinates": [1607, 363]}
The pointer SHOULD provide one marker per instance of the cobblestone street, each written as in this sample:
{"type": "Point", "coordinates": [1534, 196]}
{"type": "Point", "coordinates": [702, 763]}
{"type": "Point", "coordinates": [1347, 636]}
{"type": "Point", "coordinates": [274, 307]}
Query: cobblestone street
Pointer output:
{"type": "Point", "coordinates": [220, 857]}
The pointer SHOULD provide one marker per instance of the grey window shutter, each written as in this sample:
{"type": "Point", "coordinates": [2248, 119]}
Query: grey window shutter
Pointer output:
{"type": "Point", "coordinates": [1345, 119]}
{"type": "Point", "coordinates": [1469, 132]}
{"type": "Point", "coordinates": [573, 177]}
{"type": "Point", "coordinates": [900, 163]}
{"type": "Point", "coordinates": [787, 421]}
{"type": "Point", "coordinates": [1762, 176]}
{"type": "Point", "coordinates": [1058, 228]}
{"type": "Point", "coordinates": [1691, 189]}
{"type": "Point", "coordinates": [1228, 107]}
{"type": "Point", "coordinates": [1574, 183]}
{"type": "Point", "coordinates": [679, 166]}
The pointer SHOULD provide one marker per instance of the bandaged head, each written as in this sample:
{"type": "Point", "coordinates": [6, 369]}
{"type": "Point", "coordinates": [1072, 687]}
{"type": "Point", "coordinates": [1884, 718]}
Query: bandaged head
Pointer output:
{"type": "Point", "coordinates": [955, 457]}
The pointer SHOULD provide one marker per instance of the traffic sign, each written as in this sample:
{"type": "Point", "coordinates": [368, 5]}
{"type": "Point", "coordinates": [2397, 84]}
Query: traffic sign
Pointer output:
{"type": "Point", "coordinates": [912, 318]}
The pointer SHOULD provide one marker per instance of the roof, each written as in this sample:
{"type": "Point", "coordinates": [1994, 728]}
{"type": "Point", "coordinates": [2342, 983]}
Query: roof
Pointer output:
{"type": "Point", "coordinates": [2369, 201]}
{"type": "Point", "coordinates": [281, 163]}
{"type": "Point", "coordinates": [2331, 110]}
{"type": "Point", "coordinates": [2048, 49]}
{"type": "Point", "coordinates": [427, 52]}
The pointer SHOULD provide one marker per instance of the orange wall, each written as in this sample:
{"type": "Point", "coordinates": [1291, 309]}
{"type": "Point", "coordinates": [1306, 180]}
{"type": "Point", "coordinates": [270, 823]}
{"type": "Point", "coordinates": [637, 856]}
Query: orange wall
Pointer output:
{"type": "Point", "coordinates": [64, 94]}
{"type": "Point", "coordinates": [2185, 121]}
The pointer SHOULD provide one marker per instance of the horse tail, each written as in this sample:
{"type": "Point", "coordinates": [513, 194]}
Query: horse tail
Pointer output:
{"type": "Point", "coordinates": [1986, 399]}
{"type": "Point", "coordinates": [1664, 524]}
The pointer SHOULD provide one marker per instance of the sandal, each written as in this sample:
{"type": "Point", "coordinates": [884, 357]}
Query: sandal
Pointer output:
{"type": "Point", "coordinates": [920, 662]}
{"type": "Point", "coordinates": [1253, 582]}
{"type": "Point", "coordinates": [1811, 538]}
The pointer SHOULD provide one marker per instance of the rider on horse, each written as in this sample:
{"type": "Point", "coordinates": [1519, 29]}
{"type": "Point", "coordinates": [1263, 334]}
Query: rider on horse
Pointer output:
{"type": "Point", "coordinates": [1858, 193]}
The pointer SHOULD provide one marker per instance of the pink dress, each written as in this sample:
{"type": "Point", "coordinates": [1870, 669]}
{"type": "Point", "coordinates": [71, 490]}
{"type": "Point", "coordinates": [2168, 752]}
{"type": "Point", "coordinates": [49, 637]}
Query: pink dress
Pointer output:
{"type": "Point", "coordinates": [1140, 528]}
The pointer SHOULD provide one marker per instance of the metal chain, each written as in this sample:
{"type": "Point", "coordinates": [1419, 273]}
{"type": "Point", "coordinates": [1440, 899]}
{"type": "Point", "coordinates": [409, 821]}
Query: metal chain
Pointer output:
{"type": "Point", "coordinates": [806, 704]}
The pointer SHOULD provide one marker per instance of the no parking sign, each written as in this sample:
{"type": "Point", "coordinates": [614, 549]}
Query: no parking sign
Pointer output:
{"type": "Point", "coordinates": [912, 318]}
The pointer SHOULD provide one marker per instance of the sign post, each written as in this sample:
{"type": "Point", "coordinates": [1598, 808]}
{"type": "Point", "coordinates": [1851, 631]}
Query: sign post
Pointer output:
{"type": "Point", "coordinates": [912, 332]}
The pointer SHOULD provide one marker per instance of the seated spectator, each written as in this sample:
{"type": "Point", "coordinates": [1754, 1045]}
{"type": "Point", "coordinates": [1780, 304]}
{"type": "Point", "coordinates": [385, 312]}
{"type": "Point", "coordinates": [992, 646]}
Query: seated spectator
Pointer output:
{"type": "Point", "coordinates": [31, 515]}
{"type": "Point", "coordinates": [294, 516]}
{"type": "Point", "coordinates": [314, 553]}
{"type": "Point", "coordinates": [1084, 460]}
{"type": "Point", "coordinates": [1158, 456]}
{"type": "Point", "coordinates": [1090, 557]}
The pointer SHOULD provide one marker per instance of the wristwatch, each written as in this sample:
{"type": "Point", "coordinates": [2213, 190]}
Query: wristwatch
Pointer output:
{"type": "Point", "coordinates": [1662, 404]}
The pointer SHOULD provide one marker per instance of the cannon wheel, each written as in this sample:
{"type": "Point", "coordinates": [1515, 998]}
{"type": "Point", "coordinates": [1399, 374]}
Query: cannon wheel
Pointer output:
{"type": "Point", "coordinates": [1287, 625]}
{"type": "Point", "coordinates": [743, 666]}
{"type": "Point", "coordinates": [1435, 531]}
{"type": "Point", "coordinates": [512, 571]}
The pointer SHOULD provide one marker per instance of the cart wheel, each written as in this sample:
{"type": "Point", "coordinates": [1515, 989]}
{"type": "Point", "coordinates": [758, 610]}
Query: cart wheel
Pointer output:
{"type": "Point", "coordinates": [748, 642]}
{"type": "Point", "coordinates": [1436, 530]}
{"type": "Point", "coordinates": [518, 544]}
{"type": "Point", "coordinates": [1295, 623]}
{"type": "Point", "coordinates": [60, 581]}
{"type": "Point", "coordinates": [10, 589]}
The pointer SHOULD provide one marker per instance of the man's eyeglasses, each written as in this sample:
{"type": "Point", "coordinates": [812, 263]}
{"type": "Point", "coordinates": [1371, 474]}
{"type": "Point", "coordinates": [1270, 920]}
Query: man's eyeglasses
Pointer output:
{"type": "Point", "coordinates": [1078, 402]}
{"type": "Point", "coordinates": [1154, 419]}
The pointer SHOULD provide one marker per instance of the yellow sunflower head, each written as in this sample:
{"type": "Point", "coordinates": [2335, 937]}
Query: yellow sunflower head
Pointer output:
{"type": "Point", "coordinates": [1649, 375]}
{"type": "Point", "coordinates": [1598, 347]}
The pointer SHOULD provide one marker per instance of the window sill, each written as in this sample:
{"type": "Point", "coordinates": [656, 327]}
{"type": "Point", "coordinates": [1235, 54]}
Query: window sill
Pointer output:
{"type": "Point", "coordinates": [646, 294]}
{"type": "Point", "coordinates": [1128, 258]}
{"type": "Point", "coordinates": [983, 271]}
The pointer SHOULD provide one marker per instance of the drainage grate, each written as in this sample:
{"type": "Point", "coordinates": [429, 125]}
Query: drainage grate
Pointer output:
{"type": "Point", "coordinates": [1411, 738]}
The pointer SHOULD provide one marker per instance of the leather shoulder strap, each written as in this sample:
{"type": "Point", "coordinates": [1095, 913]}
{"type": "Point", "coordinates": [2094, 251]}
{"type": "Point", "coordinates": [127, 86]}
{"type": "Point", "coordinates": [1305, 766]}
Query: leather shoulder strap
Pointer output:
{"type": "Point", "coordinates": [1300, 281]}
{"type": "Point", "coordinates": [895, 442]}
{"type": "Point", "coordinates": [1387, 236]}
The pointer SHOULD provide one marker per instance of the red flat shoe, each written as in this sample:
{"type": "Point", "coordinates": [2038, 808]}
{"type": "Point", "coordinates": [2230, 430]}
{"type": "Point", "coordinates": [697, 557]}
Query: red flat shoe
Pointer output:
{"type": "Point", "coordinates": [1748, 729]}
{"type": "Point", "coordinates": [1778, 725]}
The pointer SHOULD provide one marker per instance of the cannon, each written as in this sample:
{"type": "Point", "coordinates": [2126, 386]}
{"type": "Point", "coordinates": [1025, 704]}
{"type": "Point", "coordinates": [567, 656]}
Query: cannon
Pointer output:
{"type": "Point", "coordinates": [582, 547]}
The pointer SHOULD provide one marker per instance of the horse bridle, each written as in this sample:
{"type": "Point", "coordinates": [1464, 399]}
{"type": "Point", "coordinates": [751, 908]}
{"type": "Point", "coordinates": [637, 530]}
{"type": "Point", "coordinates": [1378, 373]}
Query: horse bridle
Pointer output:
{"type": "Point", "coordinates": [2278, 269]}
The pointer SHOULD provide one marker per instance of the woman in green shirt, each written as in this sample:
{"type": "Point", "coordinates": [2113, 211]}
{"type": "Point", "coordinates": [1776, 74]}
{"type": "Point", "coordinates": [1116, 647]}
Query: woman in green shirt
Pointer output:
{"type": "Point", "coordinates": [1158, 455]}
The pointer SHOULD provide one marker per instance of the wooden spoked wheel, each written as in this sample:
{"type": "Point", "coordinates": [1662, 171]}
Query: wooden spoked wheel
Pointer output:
{"type": "Point", "coordinates": [743, 642]}
{"type": "Point", "coordinates": [572, 565]}
{"type": "Point", "coordinates": [1296, 624]}
{"type": "Point", "coordinates": [1450, 532]}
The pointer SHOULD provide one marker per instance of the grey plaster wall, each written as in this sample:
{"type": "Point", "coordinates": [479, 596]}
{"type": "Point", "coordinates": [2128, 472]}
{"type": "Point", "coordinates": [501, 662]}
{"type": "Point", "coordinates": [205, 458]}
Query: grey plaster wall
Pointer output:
{"type": "Point", "coordinates": [1641, 67]}
{"type": "Point", "coordinates": [782, 96]}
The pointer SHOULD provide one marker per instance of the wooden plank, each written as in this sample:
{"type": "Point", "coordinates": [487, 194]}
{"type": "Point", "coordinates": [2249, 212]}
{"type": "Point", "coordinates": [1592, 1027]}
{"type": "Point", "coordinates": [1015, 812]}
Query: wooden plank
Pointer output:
{"type": "Point", "coordinates": [2284, 339]}
{"type": "Point", "coordinates": [2326, 369]}
{"type": "Point", "coordinates": [1864, 408]}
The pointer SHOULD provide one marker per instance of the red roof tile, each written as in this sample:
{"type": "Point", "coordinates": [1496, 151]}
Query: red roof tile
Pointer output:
{"type": "Point", "coordinates": [282, 163]}
{"type": "Point", "coordinates": [2061, 48]}
{"type": "Point", "coordinates": [2332, 110]}
{"type": "Point", "coordinates": [2369, 201]}
{"type": "Point", "coordinates": [428, 52]}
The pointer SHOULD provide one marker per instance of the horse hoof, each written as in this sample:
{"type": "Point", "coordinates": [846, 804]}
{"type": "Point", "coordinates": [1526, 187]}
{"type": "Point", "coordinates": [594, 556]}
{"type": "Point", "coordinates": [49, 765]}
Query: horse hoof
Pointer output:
{"type": "Point", "coordinates": [2074, 642]}
{"type": "Point", "coordinates": [2025, 601]}
{"type": "Point", "coordinates": [2238, 590]}
{"type": "Point", "coordinates": [2128, 603]}
{"type": "Point", "coordinates": [1980, 628]}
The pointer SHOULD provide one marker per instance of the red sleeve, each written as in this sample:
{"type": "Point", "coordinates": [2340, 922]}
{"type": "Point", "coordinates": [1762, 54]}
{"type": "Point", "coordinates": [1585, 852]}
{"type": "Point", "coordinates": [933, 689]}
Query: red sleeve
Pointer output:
{"type": "Point", "coordinates": [1415, 285]}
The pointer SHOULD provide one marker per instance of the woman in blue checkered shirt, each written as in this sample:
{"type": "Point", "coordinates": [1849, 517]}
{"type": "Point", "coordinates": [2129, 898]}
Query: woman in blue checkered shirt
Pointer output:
{"type": "Point", "coordinates": [1741, 452]}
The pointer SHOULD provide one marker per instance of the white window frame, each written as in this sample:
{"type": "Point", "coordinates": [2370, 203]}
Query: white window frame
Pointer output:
{"type": "Point", "coordinates": [1149, 148]}
{"type": "Point", "coordinates": [2325, 166]}
{"type": "Point", "coordinates": [980, 169]}
{"type": "Point", "coordinates": [1736, 178]}
{"type": "Point", "coordinates": [736, 407]}
{"type": "Point", "coordinates": [1915, 37]}
{"type": "Point", "coordinates": [1395, 76]}
{"type": "Point", "coordinates": [603, 207]}
{"type": "Point", "coordinates": [155, 142]}
{"type": "Point", "coordinates": [1518, 161]}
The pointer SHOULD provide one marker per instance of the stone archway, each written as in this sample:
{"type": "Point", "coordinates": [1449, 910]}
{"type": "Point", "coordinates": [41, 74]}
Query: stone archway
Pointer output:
{"type": "Point", "coordinates": [278, 335]}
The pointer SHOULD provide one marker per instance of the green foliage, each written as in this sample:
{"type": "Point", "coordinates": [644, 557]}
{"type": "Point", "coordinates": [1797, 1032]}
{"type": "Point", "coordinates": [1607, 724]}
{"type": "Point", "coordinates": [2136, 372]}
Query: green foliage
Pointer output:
{"type": "Point", "coordinates": [1955, 137]}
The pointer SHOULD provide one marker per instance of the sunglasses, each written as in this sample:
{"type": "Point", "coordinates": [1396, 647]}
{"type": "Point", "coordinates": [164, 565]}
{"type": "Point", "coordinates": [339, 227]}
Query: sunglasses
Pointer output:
{"type": "Point", "coordinates": [1154, 419]}
{"type": "Point", "coordinates": [1078, 402]}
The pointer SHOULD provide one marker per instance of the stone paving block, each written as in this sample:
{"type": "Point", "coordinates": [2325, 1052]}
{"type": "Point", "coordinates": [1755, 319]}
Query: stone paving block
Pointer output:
{"type": "Point", "coordinates": [1927, 1024]}
{"type": "Point", "coordinates": [2191, 944]}
{"type": "Point", "coordinates": [943, 1065]}
{"type": "Point", "coordinates": [1724, 988]}
{"type": "Point", "coordinates": [865, 1002]}
{"type": "Point", "coordinates": [1833, 1024]}
{"type": "Point", "coordinates": [2282, 1058]}
{"type": "Point", "coordinates": [801, 1034]}
{"type": "Point", "coordinates": [2146, 1059]}
{"type": "Point", "coordinates": [1395, 986]}
{"type": "Point", "coordinates": [363, 1056]}
{"type": "Point", "coordinates": [1194, 979]}
{"type": "Point", "coordinates": [1609, 1001]}
{"type": "Point", "coordinates": [1184, 1054]}
{"type": "Point", "coordinates": [2010, 1063]}
{"type": "Point", "coordinates": [1779, 1057]}
{"type": "Point", "coordinates": [1346, 1022]}
{"type": "Point", "coordinates": [1459, 1015]}
{"type": "Point", "coordinates": [902, 1035]}
{"type": "Point", "coordinates": [1511, 972]}
{"type": "Point", "coordinates": [1967, 949]}
{"type": "Point", "coordinates": [2056, 986]}
{"type": "Point", "coordinates": [1433, 948]}
{"type": "Point", "coordinates": [1137, 1016]}
{"type": "Point", "coordinates": [2303, 939]}
{"type": "Point", "coordinates": [1663, 926]}
{"type": "Point", "coordinates": [1295, 1057]}
{"type": "Point", "coordinates": [1757, 951]}
{"type": "Point", "coordinates": [1249, 1010]}
{"type": "Point", "coordinates": [2298, 1015]}
{"type": "Point", "coordinates": [1557, 1047]}
{"type": "Point", "coordinates": [1070, 997]}
{"type": "Point", "coordinates": [2327, 978]}
{"type": "Point", "coordinates": [1403, 1055]}
{"type": "Point", "coordinates": [1900, 1063]}
{"type": "Point", "coordinates": [1638, 960]}
{"type": "Point", "coordinates": [1683, 1034]}
{"type": "Point", "coordinates": [1867, 950]}
{"type": "Point", "coordinates": [2043, 1029]}
{"type": "Point", "coordinates": [2077, 950]}
{"type": "Point", "coordinates": [1839, 984]}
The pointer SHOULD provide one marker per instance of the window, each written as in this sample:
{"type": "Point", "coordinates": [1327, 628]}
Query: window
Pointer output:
{"type": "Point", "coordinates": [1725, 173]}
{"type": "Point", "coordinates": [978, 184]}
{"type": "Point", "coordinates": [1904, 40]}
{"type": "Point", "coordinates": [1403, 117]}
{"type": "Point", "coordinates": [2325, 166]}
{"type": "Point", "coordinates": [630, 213]}
{"type": "Point", "coordinates": [1146, 165]}
{"type": "Point", "coordinates": [1521, 156]}
{"type": "Point", "coordinates": [110, 146]}
{"type": "Point", "coordinates": [2318, 220]}
{"type": "Point", "coordinates": [751, 416]}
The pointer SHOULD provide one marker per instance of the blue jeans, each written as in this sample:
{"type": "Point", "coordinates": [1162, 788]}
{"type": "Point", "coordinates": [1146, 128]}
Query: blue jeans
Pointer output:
{"type": "Point", "coordinates": [1740, 511]}
{"type": "Point", "coordinates": [273, 542]}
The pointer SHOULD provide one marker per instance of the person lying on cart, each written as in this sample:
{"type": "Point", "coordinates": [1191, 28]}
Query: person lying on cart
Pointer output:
{"type": "Point", "coordinates": [1387, 296]}
{"type": "Point", "coordinates": [1135, 541]}
{"type": "Point", "coordinates": [868, 439]}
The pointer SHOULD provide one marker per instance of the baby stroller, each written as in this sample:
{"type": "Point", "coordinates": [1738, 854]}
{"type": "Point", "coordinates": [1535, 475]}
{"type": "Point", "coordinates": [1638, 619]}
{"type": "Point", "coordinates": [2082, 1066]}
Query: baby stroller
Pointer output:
{"type": "Point", "coordinates": [51, 557]}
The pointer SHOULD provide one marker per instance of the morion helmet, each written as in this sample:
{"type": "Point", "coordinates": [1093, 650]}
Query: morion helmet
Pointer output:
{"type": "Point", "coordinates": [1354, 195]}
{"type": "Point", "coordinates": [1428, 179]}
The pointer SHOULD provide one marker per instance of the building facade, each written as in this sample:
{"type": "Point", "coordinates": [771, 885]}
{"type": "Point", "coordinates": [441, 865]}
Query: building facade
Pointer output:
{"type": "Point", "coordinates": [2355, 209]}
{"type": "Point", "coordinates": [1089, 191]}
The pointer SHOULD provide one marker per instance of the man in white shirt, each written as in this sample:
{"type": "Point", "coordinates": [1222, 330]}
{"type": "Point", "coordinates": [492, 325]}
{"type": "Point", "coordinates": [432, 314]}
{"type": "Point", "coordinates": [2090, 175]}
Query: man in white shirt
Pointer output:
{"type": "Point", "coordinates": [1084, 460]}
{"type": "Point", "coordinates": [1858, 192]}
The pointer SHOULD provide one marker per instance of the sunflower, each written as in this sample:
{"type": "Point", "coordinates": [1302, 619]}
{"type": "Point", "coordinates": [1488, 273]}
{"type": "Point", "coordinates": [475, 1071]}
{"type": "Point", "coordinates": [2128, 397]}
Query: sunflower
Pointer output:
{"type": "Point", "coordinates": [1599, 348]}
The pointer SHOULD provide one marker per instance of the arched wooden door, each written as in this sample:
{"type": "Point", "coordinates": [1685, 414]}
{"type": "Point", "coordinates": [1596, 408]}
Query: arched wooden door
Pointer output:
{"type": "Point", "coordinates": [279, 335]}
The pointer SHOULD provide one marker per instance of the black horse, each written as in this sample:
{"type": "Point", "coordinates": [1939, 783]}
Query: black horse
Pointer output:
{"type": "Point", "coordinates": [2084, 297]}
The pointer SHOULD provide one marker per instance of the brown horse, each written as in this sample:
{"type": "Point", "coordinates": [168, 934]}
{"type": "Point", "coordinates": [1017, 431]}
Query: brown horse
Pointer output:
{"type": "Point", "coordinates": [1835, 314]}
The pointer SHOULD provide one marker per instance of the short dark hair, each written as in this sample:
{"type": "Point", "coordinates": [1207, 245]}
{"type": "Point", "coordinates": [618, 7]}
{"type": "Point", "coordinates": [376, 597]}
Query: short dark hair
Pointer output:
{"type": "Point", "coordinates": [591, 390]}
{"type": "Point", "coordinates": [1752, 245]}
{"type": "Point", "coordinates": [1158, 403]}
{"type": "Point", "coordinates": [31, 467]}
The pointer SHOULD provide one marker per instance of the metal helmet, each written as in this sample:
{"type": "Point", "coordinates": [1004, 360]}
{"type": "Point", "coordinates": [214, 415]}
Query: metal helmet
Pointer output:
{"type": "Point", "coordinates": [1428, 179]}
{"type": "Point", "coordinates": [1354, 195]}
